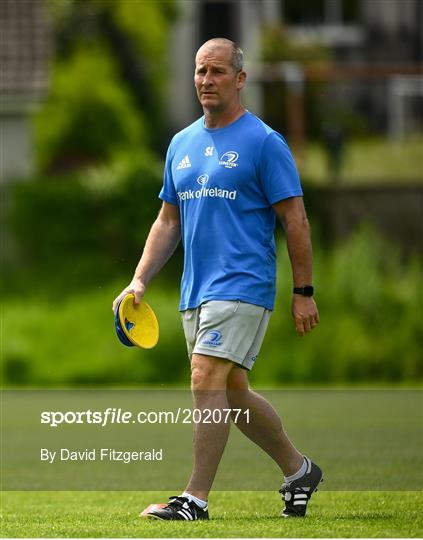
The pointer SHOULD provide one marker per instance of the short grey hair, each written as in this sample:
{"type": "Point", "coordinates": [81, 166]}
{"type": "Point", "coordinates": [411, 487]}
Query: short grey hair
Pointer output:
{"type": "Point", "coordinates": [237, 56]}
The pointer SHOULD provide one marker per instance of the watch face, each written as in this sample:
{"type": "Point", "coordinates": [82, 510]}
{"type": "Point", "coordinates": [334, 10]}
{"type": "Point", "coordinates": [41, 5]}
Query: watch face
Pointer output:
{"type": "Point", "coordinates": [308, 290]}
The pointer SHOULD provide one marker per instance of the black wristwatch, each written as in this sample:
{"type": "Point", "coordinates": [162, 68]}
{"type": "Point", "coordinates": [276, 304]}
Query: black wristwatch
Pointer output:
{"type": "Point", "coordinates": [307, 290]}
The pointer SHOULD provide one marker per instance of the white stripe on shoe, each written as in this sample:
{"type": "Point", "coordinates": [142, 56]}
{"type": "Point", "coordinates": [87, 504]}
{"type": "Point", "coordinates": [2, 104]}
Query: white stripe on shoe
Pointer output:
{"type": "Point", "coordinates": [186, 515]}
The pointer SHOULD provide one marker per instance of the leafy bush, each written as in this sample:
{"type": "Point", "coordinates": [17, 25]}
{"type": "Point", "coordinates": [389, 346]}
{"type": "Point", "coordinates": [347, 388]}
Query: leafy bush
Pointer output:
{"type": "Point", "coordinates": [370, 308]}
{"type": "Point", "coordinates": [71, 341]}
{"type": "Point", "coordinates": [107, 85]}
{"type": "Point", "coordinates": [370, 331]}
{"type": "Point", "coordinates": [88, 115]}
{"type": "Point", "coordinates": [89, 225]}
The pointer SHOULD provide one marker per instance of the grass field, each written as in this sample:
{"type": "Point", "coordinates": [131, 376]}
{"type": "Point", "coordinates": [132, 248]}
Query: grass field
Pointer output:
{"type": "Point", "coordinates": [233, 514]}
{"type": "Point", "coordinates": [364, 439]}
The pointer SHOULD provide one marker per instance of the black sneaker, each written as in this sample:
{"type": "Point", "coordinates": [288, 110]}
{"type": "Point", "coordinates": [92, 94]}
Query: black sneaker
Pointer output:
{"type": "Point", "coordinates": [180, 508]}
{"type": "Point", "coordinates": [297, 493]}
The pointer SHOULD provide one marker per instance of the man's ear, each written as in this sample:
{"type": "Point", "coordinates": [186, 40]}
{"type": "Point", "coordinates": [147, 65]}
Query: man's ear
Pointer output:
{"type": "Point", "coordinates": [241, 78]}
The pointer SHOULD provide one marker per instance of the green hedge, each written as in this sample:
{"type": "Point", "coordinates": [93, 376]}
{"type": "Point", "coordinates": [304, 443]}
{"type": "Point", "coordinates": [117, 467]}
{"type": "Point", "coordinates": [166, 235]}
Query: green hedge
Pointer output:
{"type": "Point", "coordinates": [90, 225]}
{"type": "Point", "coordinates": [370, 307]}
{"type": "Point", "coordinates": [78, 239]}
{"type": "Point", "coordinates": [108, 81]}
{"type": "Point", "coordinates": [369, 301]}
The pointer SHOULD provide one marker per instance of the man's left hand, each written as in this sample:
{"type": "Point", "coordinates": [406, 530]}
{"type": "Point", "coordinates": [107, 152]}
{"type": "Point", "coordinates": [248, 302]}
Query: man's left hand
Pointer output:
{"type": "Point", "coordinates": [304, 313]}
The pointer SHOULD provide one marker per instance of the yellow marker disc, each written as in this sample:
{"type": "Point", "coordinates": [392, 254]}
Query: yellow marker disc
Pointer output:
{"type": "Point", "coordinates": [139, 322]}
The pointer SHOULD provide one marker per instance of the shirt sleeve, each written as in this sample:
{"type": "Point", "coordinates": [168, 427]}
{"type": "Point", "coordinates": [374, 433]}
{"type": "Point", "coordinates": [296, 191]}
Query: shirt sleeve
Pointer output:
{"type": "Point", "coordinates": [168, 191]}
{"type": "Point", "coordinates": [277, 170]}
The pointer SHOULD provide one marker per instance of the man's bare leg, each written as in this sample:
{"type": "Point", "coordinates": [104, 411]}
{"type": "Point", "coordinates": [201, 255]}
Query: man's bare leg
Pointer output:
{"type": "Point", "coordinates": [264, 427]}
{"type": "Point", "coordinates": [208, 381]}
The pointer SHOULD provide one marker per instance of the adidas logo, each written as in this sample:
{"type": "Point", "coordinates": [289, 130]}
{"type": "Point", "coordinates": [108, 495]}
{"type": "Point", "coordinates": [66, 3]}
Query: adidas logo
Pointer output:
{"type": "Point", "coordinates": [184, 163]}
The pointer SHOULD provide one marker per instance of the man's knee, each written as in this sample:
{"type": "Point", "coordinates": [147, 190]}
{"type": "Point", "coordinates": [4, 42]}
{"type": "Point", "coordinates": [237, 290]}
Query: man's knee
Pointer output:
{"type": "Point", "coordinates": [209, 372]}
{"type": "Point", "coordinates": [238, 380]}
{"type": "Point", "coordinates": [238, 389]}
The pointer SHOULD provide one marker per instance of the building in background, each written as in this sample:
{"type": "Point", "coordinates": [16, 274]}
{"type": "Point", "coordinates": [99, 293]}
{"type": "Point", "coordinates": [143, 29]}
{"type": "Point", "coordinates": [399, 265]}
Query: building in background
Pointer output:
{"type": "Point", "coordinates": [24, 60]}
{"type": "Point", "coordinates": [375, 47]}
{"type": "Point", "coordinates": [240, 21]}
{"type": "Point", "coordinates": [385, 39]}
{"type": "Point", "coordinates": [377, 43]}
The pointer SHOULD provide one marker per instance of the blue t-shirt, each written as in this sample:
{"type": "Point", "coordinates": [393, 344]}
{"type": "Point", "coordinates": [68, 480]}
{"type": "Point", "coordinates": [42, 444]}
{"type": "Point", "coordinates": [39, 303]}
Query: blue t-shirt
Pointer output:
{"type": "Point", "coordinates": [224, 181]}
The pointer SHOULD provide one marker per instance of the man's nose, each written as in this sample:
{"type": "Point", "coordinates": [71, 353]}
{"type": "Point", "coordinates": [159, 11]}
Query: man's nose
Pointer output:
{"type": "Point", "coordinates": [207, 80]}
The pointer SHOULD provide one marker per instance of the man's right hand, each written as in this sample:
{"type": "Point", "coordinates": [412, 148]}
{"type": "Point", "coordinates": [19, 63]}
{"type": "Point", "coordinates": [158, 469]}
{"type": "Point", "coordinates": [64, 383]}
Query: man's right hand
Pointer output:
{"type": "Point", "coordinates": [136, 288]}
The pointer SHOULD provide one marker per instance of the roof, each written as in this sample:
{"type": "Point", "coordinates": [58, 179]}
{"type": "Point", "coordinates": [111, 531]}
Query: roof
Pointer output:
{"type": "Point", "coordinates": [25, 44]}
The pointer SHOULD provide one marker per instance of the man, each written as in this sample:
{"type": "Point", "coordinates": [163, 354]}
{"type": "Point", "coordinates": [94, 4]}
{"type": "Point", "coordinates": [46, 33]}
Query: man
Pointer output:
{"type": "Point", "coordinates": [227, 176]}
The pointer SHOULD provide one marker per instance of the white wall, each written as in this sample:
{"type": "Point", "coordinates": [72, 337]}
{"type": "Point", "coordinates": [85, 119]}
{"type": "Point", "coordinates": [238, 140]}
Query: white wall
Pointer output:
{"type": "Point", "coordinates": [16, 157]}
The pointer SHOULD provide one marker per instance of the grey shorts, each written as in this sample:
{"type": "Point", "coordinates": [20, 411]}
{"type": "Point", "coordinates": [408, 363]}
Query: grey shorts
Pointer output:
{"type": "Point", "coordinates": [227, 329]}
